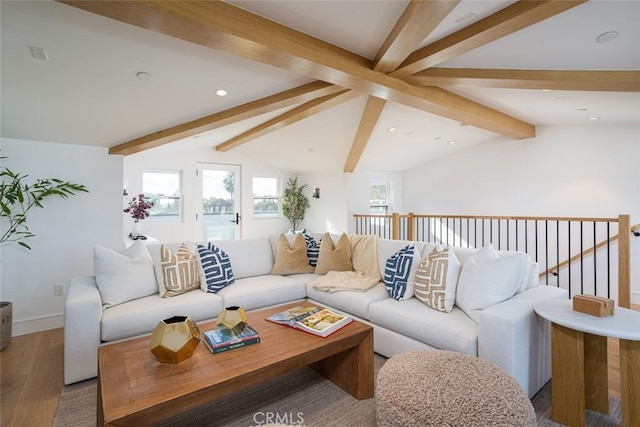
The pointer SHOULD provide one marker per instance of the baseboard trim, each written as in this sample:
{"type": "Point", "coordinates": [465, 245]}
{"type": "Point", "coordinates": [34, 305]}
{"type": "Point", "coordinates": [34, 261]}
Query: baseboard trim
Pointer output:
{"type": "Point", "coordinates": [37, 324]}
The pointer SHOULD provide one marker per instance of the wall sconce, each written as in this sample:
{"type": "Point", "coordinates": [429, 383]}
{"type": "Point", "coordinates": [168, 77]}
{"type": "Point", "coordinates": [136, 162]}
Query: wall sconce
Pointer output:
{"type": "Point", "coordinates": [316, 193]}
{"type": "Point", "coordinates": [125, 193]}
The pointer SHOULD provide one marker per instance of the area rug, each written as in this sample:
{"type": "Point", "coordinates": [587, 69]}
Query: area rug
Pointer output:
{"type": "Point", "coordinates": [302, 397]}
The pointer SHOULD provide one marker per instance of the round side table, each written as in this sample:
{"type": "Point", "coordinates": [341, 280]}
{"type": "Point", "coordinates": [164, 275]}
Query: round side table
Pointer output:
{"type": "Point", "coordinates": [579, 377]}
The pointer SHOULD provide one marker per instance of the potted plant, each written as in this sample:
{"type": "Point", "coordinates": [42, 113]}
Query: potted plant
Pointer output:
{"type": "Point", "coordinates": [17, 198]}
{"type": "Point", "coordinates": [139, 210]}
{"type": "Point", "coordinates": [294, 202]}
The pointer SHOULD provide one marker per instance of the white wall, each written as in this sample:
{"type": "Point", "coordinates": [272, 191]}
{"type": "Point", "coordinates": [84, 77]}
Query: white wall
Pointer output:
{"type": "Point", "coordinates": [66, 230]}
{"type": "Point", "coordinates": [588, 171]}
{"type": "Point", "coordinates": [344, 194]}
{"type": "Point", "coordinates": [329, 212]}
{"type": "Point", "coordinates": [187, 161]}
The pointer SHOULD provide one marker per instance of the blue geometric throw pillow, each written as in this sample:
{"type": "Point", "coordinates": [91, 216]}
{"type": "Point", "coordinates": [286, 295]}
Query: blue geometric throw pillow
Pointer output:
{"type": "Point", "coordinates": [400, 272]}
{"type": "Point", "coordinates": [313, 249]}
{"type": "Point", "coordinates": [216, 268]}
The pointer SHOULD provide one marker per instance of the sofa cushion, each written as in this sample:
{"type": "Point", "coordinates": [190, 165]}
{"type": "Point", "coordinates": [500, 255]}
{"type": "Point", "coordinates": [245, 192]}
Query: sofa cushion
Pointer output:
{"type": "Point", "coordinates": [437, 278]}
{"type": "Point", "coordinates": [180, 271]}
{"type": "Point", "coordinates": [334, 256]}
{"type": "Point", "coordinates": [215, 271]}
{"type": "Point", "coordinates": [447, 331]}
{"type": "Point", "coordinates": [313, 249]}
{"type": "Point", "coordinates": [400, 272]}
{"type": "Point", "coordinates": [291, 259]}
{"type": "Point", "coordinates": [485, 283]}
{"type": "Point", "coordinates": [141, 316]}
{"type": "Point", "coordinates": [355, 303]}
{"type": "Point", "coordinates": [529, 281]}
{"type": "Point", "coordinates": [386, 248]}
{"type": "Point", "coordinates": [262, 291]}
{"type": "Point", "coordinates": [122, 277]}
{"type": "Point", "coordinates": [249, 257]}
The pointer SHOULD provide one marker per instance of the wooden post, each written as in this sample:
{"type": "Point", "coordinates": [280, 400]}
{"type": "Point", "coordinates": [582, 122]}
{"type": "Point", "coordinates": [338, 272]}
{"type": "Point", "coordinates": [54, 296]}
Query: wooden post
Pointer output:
{"type": "Point", "coordinates": [624, 266]}
{"type": "Point", "coordinates": [395, 226]}
{"type": "Point", "coordinates": [411, 226]}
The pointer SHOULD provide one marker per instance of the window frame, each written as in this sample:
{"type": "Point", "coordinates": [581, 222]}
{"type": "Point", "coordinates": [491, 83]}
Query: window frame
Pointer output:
{"type": "Point", "coordinates": [166, 218]}
{"type": "Point", "coordinates": [277, 197]}
{"type": "Point", "coordinates": [374, 208]}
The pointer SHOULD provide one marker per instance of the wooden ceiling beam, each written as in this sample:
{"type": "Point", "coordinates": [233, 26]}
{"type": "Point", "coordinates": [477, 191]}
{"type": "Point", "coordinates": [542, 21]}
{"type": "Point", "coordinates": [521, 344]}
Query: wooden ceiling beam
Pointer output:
{"type": "Point", "coordinates": [372, 111]}
{"type": "Point", "coordinates": [294, 115]}
{"type": "Point", "coordinates": [417, 21]}
{"type": "Point", "coordinates": [251, 109]}
{"type": "Point", "coordinates": [221, 26]}
{"type": "Point", "coordinates": [597, 80]}
{"type": "Point", "coordinates": [502, 23]}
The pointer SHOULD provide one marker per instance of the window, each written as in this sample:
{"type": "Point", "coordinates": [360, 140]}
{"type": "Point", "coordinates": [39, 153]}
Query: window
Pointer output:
{"type": "Point", "coordinates": [164, 189]}
{"type": "Point", "coordinates": [379, 198]}
{"type": "Point", "coordinates": [266, 196]}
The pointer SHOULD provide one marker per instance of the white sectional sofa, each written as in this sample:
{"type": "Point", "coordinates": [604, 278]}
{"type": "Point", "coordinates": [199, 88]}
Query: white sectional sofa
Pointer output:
{"type": "Point", "coordinates": [508, 334]}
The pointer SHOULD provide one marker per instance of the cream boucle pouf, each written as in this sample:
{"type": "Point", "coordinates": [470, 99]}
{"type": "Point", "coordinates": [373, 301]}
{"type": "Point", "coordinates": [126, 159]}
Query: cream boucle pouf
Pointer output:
{"type": "Point", "coordinates": [445, 388]}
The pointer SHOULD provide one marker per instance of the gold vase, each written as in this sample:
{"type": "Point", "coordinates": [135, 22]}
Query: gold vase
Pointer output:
{"type": "Point", "coordinates": [232, 320]}
{"type": "Point", "coordinates": [175, 339]}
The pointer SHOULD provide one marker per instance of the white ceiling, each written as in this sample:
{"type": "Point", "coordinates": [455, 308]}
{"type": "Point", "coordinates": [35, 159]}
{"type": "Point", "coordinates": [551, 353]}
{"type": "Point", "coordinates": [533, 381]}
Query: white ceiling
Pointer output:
{"type": "Point", "coordinates": [88, 93]}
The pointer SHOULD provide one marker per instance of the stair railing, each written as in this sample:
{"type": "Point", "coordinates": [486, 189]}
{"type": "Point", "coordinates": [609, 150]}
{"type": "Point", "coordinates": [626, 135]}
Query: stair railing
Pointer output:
{"type": "Point", "coordinates": [574, 253]}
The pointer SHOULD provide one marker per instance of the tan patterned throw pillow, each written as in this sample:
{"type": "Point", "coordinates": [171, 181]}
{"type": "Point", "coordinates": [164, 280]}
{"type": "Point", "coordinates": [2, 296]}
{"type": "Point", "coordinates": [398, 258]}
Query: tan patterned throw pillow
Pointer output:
{"type": "Point", "coordinates": [334, 257]}
{"type": "Point", "coordinates": [291, 260]}
{"type": "Point", "coordinates": [179, 271]}
{"type": "Point", "coordinates": [437, 278]}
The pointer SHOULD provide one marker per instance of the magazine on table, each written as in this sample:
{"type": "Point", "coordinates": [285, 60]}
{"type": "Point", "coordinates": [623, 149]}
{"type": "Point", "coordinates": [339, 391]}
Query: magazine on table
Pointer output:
{"type": "Point", "coordinates": [218, 342]}
{"type": "Point", "coordinates": [315, 320]}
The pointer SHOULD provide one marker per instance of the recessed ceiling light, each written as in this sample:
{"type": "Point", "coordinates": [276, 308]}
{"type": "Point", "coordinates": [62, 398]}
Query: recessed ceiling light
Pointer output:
{"type": "Point", "coordinates": [142, 75]}
{"type": "Point", "coordinates": [593, 118]}
{"type": "Point", "coordinates": [607, 37]}
{"type": "Point", "coordinates": [437, 138]}
{"type": "Point", "coordinates": [581, 109]}
{"type": "Point", "coordinates": [547, 90]}
{"type": "Point", "coordinates": [453, 141]}
{"type": "Point", "coordinates": [311, 150]}
{"type": "Point", "coordinates": [221, 92]}
{"type": "Point", "coordinates": [392, 129]}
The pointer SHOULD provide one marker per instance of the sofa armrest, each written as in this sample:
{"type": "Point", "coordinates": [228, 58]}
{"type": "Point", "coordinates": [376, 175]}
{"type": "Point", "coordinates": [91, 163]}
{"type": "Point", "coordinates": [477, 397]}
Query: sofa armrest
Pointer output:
{"type": "Point", "coordinates": [513, 337]}
{"type": "Point", "coordinates": [82, 317]}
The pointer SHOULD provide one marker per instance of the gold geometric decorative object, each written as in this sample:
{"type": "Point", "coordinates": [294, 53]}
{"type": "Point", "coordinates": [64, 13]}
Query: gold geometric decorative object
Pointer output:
{"type": "Point", "coordinates": [232, 320]}
{"type": "Point", "coordinates": [175, 339]}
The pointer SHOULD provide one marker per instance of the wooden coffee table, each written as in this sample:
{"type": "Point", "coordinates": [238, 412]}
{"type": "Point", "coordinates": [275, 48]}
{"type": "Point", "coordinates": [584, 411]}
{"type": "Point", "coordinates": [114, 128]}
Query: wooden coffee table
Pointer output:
{"type": "Point", "coordinates": [135, 389]}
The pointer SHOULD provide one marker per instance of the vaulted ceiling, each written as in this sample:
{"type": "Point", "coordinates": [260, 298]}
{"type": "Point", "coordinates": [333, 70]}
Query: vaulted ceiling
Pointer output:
{"type": "Point", "coordinates": [313, 82]}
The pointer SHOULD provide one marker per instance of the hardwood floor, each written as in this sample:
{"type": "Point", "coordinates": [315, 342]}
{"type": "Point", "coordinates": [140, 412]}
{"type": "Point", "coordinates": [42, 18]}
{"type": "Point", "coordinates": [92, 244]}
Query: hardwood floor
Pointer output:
{"type": "Point", "coordinates": [31, 378]}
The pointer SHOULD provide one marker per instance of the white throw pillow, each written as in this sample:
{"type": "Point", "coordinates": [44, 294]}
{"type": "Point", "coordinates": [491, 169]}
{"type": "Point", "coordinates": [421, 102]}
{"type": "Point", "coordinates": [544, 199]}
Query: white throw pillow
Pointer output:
{"type": "Point", "coordinates": [533, 278]}
{"type": "Point", "coordinates": [436, 279]}
{"type": "Point", "coordinates": [123, 277]}
{"type": "Point", "coordinates": [483, 284]}
{"type": "Point", "coordinates": [486, 253]}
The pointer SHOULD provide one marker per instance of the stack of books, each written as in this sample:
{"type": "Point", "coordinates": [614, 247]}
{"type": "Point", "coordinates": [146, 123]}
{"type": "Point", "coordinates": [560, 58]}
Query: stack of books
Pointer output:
{"type": "Point", "coordinates": [217, 342]}
{"type": "Point", "coordinates": [314, 320]}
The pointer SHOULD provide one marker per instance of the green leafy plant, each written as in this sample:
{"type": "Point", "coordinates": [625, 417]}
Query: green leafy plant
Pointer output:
{"type": "Point", "coordinates": [17, 198]}
{"type": "Point", "coordinates": [294, 202]}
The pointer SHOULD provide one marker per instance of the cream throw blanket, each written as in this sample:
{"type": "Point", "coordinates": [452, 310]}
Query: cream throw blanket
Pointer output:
{"type": "Point", "coordinates": [364, 256]}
